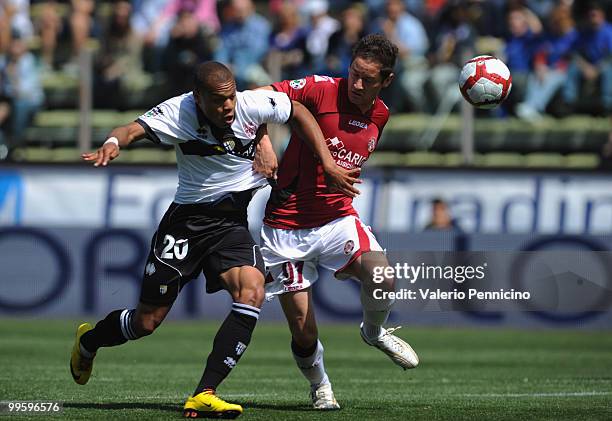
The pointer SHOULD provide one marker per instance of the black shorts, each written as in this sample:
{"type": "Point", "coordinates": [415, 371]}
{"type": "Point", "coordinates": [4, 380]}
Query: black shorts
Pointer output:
{"type": "Point", "coordinates": [191, 239]}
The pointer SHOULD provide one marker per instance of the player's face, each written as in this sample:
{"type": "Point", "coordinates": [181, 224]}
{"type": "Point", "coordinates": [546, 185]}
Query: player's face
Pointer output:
{"type": "Point", "coordinates": [218, 104]}
{"type": "Point", "coordinates": [365, 82]}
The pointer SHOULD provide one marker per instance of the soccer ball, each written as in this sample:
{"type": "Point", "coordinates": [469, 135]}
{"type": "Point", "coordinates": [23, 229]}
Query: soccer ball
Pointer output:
{"type": "Point", "coordinates": [485, 82]}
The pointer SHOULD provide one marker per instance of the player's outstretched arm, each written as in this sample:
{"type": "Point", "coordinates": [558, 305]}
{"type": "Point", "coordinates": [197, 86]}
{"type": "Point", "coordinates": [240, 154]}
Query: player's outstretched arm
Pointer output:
{"type": "Point", "coordinates": [118, 138]}
{"type": "Point", "coordinates": [307, 128]}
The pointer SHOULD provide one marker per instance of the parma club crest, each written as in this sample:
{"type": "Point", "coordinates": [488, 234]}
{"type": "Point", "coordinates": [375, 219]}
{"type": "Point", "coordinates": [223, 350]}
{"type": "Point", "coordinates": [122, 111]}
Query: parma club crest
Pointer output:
{"type": "Point", "coordinates": [349, 246]}
{"type": "Point", "coordinates": [297, 83]}
{"type": "Point", "coordinates": [371, 145]}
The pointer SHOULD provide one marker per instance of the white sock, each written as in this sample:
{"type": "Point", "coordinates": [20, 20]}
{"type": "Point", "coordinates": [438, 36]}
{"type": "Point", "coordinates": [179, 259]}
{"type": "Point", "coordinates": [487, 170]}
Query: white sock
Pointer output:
{"type": "Point", "coordinates": [371, 331]}
{"type": "Point", "coordinates": [375, 314]}
{"type": "Point", "coordinates": [312, 367]}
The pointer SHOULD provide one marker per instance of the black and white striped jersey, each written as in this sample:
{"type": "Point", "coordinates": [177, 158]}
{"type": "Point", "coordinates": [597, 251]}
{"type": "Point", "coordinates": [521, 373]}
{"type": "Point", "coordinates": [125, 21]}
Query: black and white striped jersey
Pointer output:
{"type": "Point", "coordinates": [214, 162]}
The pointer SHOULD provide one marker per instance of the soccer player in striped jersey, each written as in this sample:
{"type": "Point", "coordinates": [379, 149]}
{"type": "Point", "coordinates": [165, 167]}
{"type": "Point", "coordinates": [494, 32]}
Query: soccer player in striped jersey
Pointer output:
{"type": "Point", "coordinates": [214, 132]}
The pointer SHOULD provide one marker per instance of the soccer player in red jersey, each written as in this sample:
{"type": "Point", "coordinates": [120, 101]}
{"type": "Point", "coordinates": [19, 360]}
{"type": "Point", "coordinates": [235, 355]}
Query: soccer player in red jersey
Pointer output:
{"type": "Point", "coordinates": [306, 224]}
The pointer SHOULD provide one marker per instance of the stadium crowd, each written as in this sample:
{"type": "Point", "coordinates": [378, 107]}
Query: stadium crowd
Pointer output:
{"type": "Point", "coordinates": [559, 51]}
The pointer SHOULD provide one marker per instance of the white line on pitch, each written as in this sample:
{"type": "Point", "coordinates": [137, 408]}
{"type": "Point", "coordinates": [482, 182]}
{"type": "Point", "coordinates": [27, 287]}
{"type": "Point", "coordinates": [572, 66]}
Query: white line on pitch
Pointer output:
{"type": "Point", "coordinates": [535, 395]}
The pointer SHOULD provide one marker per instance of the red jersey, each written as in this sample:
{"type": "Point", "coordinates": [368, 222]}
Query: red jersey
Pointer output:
{"type": "Point", "coordinates": [301, 199]}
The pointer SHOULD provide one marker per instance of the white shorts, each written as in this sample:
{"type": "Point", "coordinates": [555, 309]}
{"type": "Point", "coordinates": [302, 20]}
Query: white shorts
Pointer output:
{"type": "Point", "coordinates": [292, 256]}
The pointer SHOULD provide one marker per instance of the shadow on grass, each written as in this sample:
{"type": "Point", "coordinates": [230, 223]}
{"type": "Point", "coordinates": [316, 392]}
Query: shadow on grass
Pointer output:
{"type": "Point", "coordinates": [170, 407]}
{"type": "Point", "coordinates": [278, 407]}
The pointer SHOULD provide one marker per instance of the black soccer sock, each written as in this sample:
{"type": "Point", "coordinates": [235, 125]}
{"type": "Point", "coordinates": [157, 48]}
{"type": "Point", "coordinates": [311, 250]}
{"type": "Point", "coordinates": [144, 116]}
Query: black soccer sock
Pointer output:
{"type": "Point", "coordinates": [115, 329]}
{"type": "Point", "coordinates": [230, 343]}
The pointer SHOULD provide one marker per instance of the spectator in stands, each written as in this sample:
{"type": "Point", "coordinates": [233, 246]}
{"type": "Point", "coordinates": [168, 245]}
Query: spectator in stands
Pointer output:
{"type": "Point", "coordinates": [6, 14]}
{"type": "Point", "coordinates": [20, 90]}
{"type": "Point", "coordinates": [322, 26]}
{"type": "Point", "coordinates": [593, 60]}
{"type": "Point", "coordinates": [49, 26]}
{"type": "Point", "coordinates": [288, 43]}
{"type": "Point", "coordinates": [191, 43]}
{"type": "Point", "coordinates": [119, 76]}
{"type": "Point", "coordinates": [5, 40]}
{"type": "Point", "coordinates": [441, 218]}
{"type": "Point", "coordinates": [543, 8]}
{"type": "Point", "coordinates": [83, 26]}
{"type": "Point", "coordinates": [204, 12]}
{"type": "Point", "coordinates": [550, 64]}
{"type": "Point", "coordinates": [408, 33]}
{"type": "Point", "coordinates": [375, 8]}
{"type": "Point", "coordinates": [153, 28]}
{"type": "Point", "coordinates": [341, 43]}
{"type": "Point", "coordinates": [18, 12]}
{"type": "Point", "coordinates": [244, 43]}
{"type": "Point", "coordinates": [521, 44]}
{"type": "Point", "coordinates": [488, 17]}
{"type": "Point", "coordinates": [5, 111]}
{"type": "Point", "coordinates": [454, 44]}
{"type": "Point", "coordinates": [154, 20]}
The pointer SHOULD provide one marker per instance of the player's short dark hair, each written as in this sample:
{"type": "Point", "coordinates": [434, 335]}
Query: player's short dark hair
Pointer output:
{"type": "Point", "coordinates": [437, 201]}
{"type": "Point", "coordinates": [378, 48]}
{"type": "Point", "coordinates": [210, 74]}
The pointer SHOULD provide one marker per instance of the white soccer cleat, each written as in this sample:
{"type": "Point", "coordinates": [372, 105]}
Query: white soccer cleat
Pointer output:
{"type": "Point", "coordinates": [398, 350]}
{"type": "Point", "coordinates": [323, 397]}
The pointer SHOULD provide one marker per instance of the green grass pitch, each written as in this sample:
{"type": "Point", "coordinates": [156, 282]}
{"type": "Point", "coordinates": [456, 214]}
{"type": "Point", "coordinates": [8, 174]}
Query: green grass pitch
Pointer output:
{"type": "Point", "coordinates": [465, 374]}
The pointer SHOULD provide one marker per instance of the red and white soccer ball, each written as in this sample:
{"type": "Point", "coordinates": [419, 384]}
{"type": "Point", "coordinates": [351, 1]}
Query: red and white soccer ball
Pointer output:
{"type": "Point", "coordinates": [485, 82]}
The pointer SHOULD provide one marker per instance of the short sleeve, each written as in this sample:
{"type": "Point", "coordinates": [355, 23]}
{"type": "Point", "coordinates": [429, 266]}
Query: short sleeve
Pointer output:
{"type": "Point", "coordinates": [309, 91]}
{"type": "Point", "coordinates": [161, 123]}
{"type": "Point", "coordinates": [269, 106]}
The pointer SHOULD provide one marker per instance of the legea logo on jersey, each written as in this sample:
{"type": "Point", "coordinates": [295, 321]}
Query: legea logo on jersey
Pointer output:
{"type": "Point", "coordinates": [358, 123]}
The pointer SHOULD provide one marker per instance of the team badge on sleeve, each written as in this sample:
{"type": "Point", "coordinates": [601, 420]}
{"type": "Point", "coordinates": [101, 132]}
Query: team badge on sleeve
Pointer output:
{"type": "Point", "coordinates": [297, 83]}
{"type": "Point", "coordinates": [349, 246]}
{"type": "Point", "coordinates": [371, 145]}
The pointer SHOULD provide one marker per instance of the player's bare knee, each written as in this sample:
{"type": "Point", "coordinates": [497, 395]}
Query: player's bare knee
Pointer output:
{"type": "Point", "coordinates": [252, 293]}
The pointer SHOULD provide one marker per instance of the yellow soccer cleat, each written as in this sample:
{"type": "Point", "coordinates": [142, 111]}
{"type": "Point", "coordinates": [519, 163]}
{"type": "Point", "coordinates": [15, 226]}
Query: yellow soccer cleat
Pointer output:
{"type": "Point", "coordinates": [80, 366]}
{"type": "Point", "coordinates": [209, 405]}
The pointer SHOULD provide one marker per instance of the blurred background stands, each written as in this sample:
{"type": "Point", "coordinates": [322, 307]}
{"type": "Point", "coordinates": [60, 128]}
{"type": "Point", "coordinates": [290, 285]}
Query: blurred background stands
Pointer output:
{"type": "Point", "coordinates": [143, 51]}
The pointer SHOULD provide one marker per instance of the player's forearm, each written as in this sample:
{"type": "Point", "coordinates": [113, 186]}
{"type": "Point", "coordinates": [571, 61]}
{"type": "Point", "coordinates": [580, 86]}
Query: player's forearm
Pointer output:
{"type": "Point", "coordinates": [307, 128]}
{"type": "Point", "coordinates": [127, 134]}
